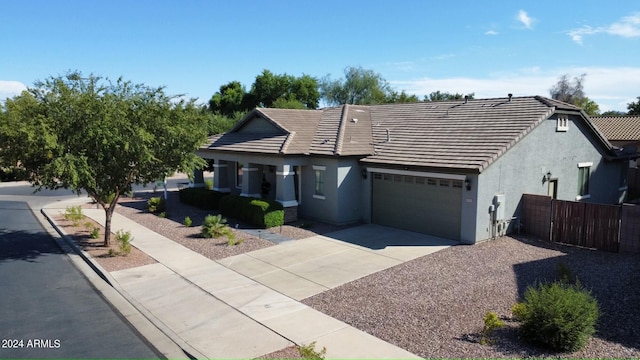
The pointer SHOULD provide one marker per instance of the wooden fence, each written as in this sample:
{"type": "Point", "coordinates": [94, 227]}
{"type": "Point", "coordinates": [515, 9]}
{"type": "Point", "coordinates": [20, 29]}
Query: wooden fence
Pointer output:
{"type": "Point", "coordinates": [614, 228]}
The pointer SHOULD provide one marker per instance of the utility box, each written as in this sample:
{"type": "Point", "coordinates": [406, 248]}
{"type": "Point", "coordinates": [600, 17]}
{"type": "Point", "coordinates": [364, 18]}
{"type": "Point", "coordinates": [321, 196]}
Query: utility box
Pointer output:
{"type": "Point", "coordinates": [499, 203]}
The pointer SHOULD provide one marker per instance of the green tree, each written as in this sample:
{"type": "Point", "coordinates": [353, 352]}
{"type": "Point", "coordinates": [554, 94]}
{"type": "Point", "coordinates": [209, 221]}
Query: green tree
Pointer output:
{"type": "Point", "coordinates": [360, 86]}
{"type": "Point", "coordinates": [401, 97]}
{"type": "Point", "coordinates": [269, 88]}
{"type": "Point", "coordinates": [634, 107]}
{"type": "Point", "coordinates": [231, 98]}
{"type": "Point", "coordinates": [446, 96]}
{"type": "Point", "coordinates": [589, 106]}
{"type": "Point", "coordinates": [98, 136]}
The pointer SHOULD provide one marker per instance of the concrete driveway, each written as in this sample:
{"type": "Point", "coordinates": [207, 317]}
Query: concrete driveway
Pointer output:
{"type": "Point", "coordinates": [303, 268]}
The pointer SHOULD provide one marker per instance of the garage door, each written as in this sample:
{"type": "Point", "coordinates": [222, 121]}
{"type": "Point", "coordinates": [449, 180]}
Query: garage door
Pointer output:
{"type": "Point", "coordinates": [421, 204]}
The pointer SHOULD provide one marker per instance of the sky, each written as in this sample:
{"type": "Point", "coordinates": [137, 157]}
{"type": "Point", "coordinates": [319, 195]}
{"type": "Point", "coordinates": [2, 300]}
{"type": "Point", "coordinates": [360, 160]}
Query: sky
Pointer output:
{"type": "Point", "coordinates": [490, 48]}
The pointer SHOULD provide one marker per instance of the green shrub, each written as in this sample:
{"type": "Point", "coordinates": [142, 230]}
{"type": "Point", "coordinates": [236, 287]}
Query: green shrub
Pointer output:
{"type": "Point", "coordinates": [124, 241]}
{"type": "Point", "coordinates": [257, 212]}
{"type": "Point", "coordinates": [95, 233]}
{"type": "Point", "coordinates": [88, 225]}
{"type": "Point", "coordinates": [74, 214]}
{"type": "Point", "coordinates": [201, 198]}
{"type": "Point", "coordinates": [208, 184]}
{"type": "Point", "coordinates": [519, 311]}
{"type": "Point", "coordinates": [309, 351]}
{"type": "Point", "coordinates": [156, 205]}
{"type": "Point", "coordinates": [187, 221]}
{"type": "Point", "coordinates": [559, 315]}
{"type": "Point", "coordinates": [162, 214]}
{"type": "Point", "coordinates": [215, 226]}
{"type": "Point", "coordinates": [491, 322]}
{"type": "Point", "coordinates": [564, 272]}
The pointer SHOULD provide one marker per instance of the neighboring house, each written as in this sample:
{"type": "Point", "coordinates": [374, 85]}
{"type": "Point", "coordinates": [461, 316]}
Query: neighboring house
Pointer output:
{"type": "Point", "coordinates": [452, 169]}
{"type": "Point", "coordinates": [621, 131]}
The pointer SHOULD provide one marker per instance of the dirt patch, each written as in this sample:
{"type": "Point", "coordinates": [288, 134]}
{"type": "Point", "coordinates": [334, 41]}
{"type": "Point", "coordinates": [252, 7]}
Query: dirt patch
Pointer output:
{"type": "Point", "coordinates": [81, 236]}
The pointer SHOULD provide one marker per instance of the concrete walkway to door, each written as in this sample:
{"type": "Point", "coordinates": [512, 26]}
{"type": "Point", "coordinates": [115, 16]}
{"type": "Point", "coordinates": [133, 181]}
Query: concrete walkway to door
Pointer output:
{"type": "Point", "coordinates": [303, 268]}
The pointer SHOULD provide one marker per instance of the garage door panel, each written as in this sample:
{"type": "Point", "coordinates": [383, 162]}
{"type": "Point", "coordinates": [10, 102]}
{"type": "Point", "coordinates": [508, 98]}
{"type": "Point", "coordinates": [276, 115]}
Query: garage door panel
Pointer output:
{"type": "Point", "coordinates": [417, 204]}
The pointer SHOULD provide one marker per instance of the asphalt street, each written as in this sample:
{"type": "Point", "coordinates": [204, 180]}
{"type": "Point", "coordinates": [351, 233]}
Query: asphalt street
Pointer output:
{"type": "Point", "coordinates": [48, 309]}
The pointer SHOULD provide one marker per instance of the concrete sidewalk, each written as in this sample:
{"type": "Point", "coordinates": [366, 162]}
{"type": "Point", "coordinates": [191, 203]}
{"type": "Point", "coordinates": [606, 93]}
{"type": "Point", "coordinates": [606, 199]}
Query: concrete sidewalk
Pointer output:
{"type": "Point", "coordinates": [221, 313]}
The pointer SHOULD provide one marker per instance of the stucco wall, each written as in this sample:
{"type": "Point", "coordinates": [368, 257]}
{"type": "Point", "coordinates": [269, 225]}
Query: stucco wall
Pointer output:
{"type": "Point", "coordinates": [342, 183]}
{"type": "Point", "coordinates": [521, 169]}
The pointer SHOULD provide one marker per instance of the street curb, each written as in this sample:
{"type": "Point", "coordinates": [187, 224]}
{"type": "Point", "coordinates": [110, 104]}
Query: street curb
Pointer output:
{"type": "Point", "coordinates": [161, 338]}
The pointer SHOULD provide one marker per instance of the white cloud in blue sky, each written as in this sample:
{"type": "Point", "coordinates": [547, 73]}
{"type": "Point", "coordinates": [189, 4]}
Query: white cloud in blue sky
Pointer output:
{"type": "Point", "coordinates": [194, 47]}
{"type": "Point", "coordinates": [10, 88]}
{"type": "Point", "coordinates": [627, 27]}
{"type": "Point", "coordinates": [525, 19]}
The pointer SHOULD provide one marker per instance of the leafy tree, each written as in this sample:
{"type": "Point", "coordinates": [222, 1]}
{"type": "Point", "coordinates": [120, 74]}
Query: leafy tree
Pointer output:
{"type": "Point", "coordinates": [567, 90]}
{"type": "Point", "coordinates": [446, 96]}
{"type": "Point", "coordinates": [401, 97]}
{"type": "Point", "coordinates": [634, 107]}
{"type": "Point", "coordinates": [360, 86]}
{"type": "Point", "coordinates": [100, 136]}
{"type": "Point", "coordinates": [231, 98]}
{"type": "Point", "coordinates": [589, 106]}
{"type": "Point", "coordinates": [269, 88]}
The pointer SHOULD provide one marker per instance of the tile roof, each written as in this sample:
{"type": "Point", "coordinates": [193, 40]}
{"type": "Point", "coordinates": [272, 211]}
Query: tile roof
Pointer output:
{"type": "Point", "coordinates": [455, 135]}
{"type": "Point", "coordinates": [618, 128]}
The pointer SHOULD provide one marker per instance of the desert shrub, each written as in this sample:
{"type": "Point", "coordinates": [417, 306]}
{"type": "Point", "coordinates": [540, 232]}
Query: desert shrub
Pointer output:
{"type": "Point", "coordinates": [124, 239]}
{"type": "Point", "coordinates": [491, 322]}
{"type": "Point", "coordinates": [257, 212]}
{"type": "Point", "coordinates": [309, 351]}
{"type": "Point", "coordinates": [564, 272]}
{"type": "Point", "coordinates": [208, 184]}
{"type": "Point", "coordinates": [156, 205]}
{"type": "Point", "coordinates": [215, 226]}
{"type": "Point", "coordinates": [558, 315]}
{"type": "Point", "coordinates": [519, 311]}
{"type": "Point", "coordinates": [187, 221]}
{"type": "Point", "coordinates": [201, 198]}
{"type": "Point", "coordinates": [95, 233]}
{"type": "Point", "coordinates": [74, 214]}
{"type": "Point", "coordinates": [88, 225]}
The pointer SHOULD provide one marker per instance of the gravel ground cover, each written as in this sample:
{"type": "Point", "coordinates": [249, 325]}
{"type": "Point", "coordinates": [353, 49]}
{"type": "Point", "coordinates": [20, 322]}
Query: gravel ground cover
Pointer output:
{"type": "Point", "coordinates": [433, 306]}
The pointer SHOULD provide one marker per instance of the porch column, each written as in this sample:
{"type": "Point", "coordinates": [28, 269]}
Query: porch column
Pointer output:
{"type": "Point", "coordinates": [286, 192]}
{"type": "Point", "coordinates": [198, 178]}
{"type": "Point", "coordinates": [251, 180]}
{"type": "Point", "coordinates": [220, 176]}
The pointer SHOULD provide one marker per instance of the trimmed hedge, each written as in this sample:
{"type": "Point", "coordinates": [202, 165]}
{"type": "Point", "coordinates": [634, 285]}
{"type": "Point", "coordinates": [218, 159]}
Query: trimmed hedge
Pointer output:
{"type": "Point", "coordinates": [257, 212]}
{"type": "Point", "coordinates": [201, 198]}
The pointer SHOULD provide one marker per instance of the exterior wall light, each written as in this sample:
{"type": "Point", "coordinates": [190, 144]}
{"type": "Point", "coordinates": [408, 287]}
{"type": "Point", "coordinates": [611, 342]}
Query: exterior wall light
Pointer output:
{"type": "Point", "coordinates": [546, 177]}
{"type": "Point", "coordinates": [467, 184]}
{"type": "Point", "coordinates": [364, 173]}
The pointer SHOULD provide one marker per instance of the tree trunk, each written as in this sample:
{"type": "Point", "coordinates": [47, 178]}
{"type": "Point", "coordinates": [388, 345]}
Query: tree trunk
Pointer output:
{"type": "Point", "coordinates": [108, 211]}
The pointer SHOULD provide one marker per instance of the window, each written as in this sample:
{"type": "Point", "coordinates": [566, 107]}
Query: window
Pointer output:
{"type": "Point", "coordinates": [457, 184]}
{"type": "Point", "coordinates": [444, 182]}
{"type": "Point", "coordinates": [319, 182]}
{"type": "Point", "coordinates": [431, 181]}
{"type": "Point", "coordinates": [377, 176]}
{"type": "Point", "coordinates": [584, 172]}
{"type": "Point", "coordinates": [563, 123]}
{"type": "Point", "coordinates": [239, 174]}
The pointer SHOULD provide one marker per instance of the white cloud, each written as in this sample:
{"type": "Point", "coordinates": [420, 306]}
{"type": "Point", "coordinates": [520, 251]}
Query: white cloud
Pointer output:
{"type": "Point", "coordinates": [628, 27]}
{"type": "Point", "coordinates": [610, 88]}
{"type": "Point", "coordinates": [10, 89]}
{"type": "Point", "coordinates": [525, 19]}
{"type": "Point", "coordinates": [491, 32]}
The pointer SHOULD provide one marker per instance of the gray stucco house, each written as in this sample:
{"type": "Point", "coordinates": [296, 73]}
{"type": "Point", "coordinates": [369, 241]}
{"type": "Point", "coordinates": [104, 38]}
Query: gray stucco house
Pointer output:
{"type": "Point", "coordinates": [453, 169]}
